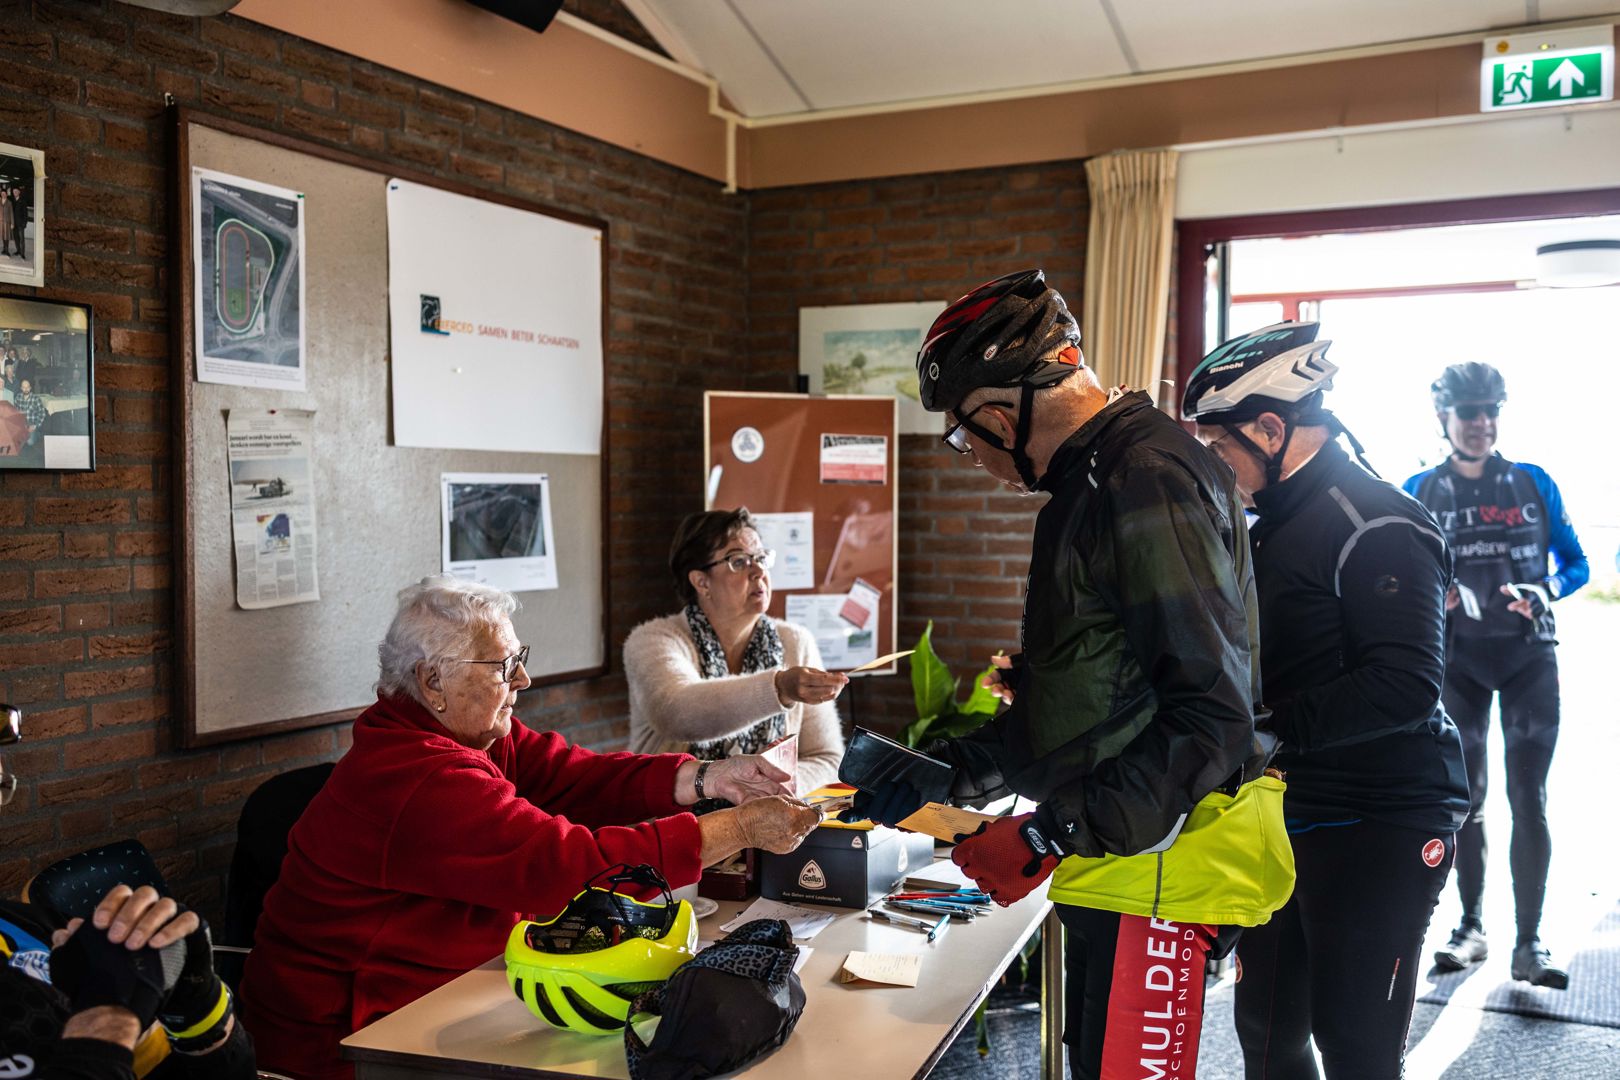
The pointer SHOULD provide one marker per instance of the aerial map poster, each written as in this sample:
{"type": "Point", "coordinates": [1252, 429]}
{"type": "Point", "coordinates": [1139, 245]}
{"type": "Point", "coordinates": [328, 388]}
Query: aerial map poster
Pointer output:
{"type": "Point", "coordinates": [249, 285]}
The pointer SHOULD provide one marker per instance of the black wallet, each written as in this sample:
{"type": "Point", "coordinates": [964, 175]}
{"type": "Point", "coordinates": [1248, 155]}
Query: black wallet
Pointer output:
{"type": "Point", "coordinates": [870, 759]}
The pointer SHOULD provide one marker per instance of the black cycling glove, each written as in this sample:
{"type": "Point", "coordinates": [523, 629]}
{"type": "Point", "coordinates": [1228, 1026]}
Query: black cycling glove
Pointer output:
{"type": "Point", "coordinates": [92, 971]}
{"type": "Point", "coordinates": [199, 1008]}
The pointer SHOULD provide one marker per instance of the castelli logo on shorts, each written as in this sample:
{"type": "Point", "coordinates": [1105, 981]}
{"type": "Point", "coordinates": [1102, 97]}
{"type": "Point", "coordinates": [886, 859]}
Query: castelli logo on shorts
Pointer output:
{"type": "Point", "coordinates": [1434, 852]}
{"type": "Point", "coordinates": [812, 876]}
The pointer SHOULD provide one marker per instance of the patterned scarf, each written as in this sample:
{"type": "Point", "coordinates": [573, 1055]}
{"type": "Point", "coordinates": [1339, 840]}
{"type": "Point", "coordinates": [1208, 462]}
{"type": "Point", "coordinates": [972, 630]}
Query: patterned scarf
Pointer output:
{"type": "Point", "coordinates": [764, 653]}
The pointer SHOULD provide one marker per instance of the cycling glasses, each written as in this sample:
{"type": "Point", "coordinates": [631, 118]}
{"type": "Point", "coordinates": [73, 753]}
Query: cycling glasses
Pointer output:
{"type": "Point", "coordinates": [739, 564]}
{"type": "Point", "coordinates": [509, 665]}
{"type": "Point", "coordinates": [956, 435]}
{"type": "Point", "coordinates": [1474, 412]}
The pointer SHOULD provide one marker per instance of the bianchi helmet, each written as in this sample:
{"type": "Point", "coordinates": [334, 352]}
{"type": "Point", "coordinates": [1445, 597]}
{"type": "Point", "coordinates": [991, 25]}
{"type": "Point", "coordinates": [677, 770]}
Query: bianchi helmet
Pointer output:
{"type": "Point", "coordinates": [581, 969]}
{"type": "Point", "coordinates": [1265, 371]}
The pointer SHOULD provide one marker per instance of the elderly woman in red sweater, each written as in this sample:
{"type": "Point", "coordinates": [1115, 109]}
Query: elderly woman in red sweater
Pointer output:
{"type": "Point", "coordinates": [448, 821]}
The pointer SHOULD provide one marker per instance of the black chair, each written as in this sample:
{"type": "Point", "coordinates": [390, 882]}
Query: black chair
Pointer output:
{"type": "Point", "coordinates": [261, 844]}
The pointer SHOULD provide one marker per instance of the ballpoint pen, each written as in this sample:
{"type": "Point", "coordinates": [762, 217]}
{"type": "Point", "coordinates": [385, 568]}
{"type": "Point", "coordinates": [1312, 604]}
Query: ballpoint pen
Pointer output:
{"type": "Point", "coordinates": [952, 911]}
{"type": "Point", "coordinates": [931, 929]}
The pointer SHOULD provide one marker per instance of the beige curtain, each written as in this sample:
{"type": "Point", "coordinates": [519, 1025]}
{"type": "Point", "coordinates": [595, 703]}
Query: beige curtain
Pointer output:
{"type": "Point", "coordinates": [1133, 202]}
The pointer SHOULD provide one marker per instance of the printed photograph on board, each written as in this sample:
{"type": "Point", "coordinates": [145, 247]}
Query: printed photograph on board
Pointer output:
{"type": "Point", "coordinates": [22, 215]}
{"type": "Point", "coordinates": [248, 290]}
{"type": "Point", "coordinates": [47, 385]}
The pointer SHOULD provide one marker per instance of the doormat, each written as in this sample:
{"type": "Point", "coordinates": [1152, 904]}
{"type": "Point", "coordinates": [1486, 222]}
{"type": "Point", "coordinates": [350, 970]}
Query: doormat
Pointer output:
{"type": "Point", "coordinates": [1593, 996]}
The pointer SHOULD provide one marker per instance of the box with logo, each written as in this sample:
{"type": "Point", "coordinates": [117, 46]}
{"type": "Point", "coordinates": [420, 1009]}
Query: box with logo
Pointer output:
{"type": "Point", "coordinates": [845, 865]}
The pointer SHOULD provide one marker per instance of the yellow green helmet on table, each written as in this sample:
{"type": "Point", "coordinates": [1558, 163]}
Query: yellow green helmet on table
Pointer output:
{"type": "Point", "coordinates": [581, 969]}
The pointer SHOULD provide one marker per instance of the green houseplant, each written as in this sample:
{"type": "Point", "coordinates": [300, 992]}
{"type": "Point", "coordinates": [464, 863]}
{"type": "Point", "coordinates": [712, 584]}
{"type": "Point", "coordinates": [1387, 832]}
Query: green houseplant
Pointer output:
{"type": "Point", "coordinates": [939, 714]}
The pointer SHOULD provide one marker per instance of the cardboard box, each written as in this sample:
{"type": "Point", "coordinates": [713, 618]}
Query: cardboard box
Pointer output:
{"type": "Point", "coordinates": [843, 866]}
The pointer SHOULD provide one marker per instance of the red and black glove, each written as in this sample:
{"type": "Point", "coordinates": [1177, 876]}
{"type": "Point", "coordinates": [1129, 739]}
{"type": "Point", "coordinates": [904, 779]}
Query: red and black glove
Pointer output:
{"type": "Point", "coordinates": [1009, 857]}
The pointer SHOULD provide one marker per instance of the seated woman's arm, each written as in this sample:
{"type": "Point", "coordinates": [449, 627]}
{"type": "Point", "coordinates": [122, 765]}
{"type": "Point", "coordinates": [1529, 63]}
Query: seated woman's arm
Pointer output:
{"type": "Point", "coordinates": [669, 694]}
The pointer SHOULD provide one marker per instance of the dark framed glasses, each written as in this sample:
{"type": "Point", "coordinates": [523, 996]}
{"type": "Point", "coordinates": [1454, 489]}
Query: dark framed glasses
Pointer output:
{"type": "Point", "coordinates": [956, 435]}
{"type": "Point", "coordinates": [740, 564]}
{"type": "Point", "coordinates": [1474, 412]}
{"type": "Point", "coordinates": [509, 665]}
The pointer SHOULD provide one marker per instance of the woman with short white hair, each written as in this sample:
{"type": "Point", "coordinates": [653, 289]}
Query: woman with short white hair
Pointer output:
{"type": "Point", "coordinates": [449, 820]}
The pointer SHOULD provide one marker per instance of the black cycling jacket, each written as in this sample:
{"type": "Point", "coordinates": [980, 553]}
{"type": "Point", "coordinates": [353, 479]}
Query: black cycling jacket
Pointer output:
{"type": "Point", "coordinates": [1353, 576]}
{"type": "Point", "coordinates": [1137, 689]}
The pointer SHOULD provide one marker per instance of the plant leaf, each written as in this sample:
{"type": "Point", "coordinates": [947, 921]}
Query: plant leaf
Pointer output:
{"type": "Point", "coordinates": [914, 733]}
{"type": "Point", "coordinates": [931, 684]}
{"type": "Point", "coordinates": [981, 701]}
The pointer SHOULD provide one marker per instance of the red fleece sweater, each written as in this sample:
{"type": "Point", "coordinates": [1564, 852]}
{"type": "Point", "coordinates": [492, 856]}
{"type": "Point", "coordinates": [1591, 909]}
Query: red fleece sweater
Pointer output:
{"type": "Point", "coordinates": [414, 861]}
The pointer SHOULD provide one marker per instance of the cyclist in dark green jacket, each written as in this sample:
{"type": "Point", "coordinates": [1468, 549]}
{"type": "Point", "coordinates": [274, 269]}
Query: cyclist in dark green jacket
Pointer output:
{"type": "Point", "coordinates": [1132, 715]}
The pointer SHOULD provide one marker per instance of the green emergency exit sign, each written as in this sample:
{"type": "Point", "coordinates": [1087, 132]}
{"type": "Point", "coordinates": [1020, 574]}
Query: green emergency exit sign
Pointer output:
{"type": "Point", "coordinates": [1526, 73]}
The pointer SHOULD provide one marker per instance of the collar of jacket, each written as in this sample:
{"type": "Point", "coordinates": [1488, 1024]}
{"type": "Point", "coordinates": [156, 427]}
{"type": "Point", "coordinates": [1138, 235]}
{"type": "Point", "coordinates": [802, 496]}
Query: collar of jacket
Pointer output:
{"type": "Point", "coordinates": [1279, 502]}
{"type": "Point", "coordinates": [1072, 453]}
{"type": "Point", "coordinates": [1495, 466]}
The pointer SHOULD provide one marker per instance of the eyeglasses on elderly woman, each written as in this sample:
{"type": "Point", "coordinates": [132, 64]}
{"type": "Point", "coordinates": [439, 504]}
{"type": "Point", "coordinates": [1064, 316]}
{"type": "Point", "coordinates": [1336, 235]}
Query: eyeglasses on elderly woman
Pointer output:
{"type": "Point", "coordinates": [509, 665]}
{"type": "Point", "coordinates": [740, 564]}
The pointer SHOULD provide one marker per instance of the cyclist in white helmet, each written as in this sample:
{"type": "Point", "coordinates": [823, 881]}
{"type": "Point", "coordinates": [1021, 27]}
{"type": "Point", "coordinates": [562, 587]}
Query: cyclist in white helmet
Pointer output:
{"type": "Point", "coordinates": [1352, 577]}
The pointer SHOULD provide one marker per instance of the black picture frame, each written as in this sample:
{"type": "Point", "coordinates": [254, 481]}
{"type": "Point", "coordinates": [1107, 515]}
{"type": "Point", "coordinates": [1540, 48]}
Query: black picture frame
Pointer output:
{"type": "Point", "coordinates": [47, 385]}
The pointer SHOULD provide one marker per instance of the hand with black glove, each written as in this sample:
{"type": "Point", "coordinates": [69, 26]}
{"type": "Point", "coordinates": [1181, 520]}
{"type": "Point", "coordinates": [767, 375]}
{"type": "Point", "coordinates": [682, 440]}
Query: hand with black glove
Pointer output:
{"type": "Point", "coordinates": [890, 804]}
{"type": "Point", "coordinates": [94, 971]}
{"type": "Point", "coordinates": [198, 1013]}
{"type": "Point", "coordinates": [1530, 600]}
{"type": "Point", "coordinates": [1008, 857]}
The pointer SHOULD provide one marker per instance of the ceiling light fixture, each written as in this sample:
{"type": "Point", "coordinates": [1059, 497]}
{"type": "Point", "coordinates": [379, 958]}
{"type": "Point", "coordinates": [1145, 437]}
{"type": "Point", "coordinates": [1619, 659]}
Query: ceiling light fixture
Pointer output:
{"type": "Point", "coordinates": [1578, 264]}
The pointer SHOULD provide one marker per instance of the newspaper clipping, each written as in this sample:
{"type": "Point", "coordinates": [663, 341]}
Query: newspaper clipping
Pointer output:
{"type": "Point", "coordinates": [273, 506]}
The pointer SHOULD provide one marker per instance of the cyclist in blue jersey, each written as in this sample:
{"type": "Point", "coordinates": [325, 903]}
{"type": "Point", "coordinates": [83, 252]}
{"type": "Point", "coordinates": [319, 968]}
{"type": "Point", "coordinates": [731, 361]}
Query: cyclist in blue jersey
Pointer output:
{"type": "Point", "coordinates": [1504, 520]}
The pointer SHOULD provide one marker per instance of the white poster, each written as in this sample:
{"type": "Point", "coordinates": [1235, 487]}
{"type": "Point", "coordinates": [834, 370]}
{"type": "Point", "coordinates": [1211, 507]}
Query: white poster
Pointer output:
{"type": "Point", "coordinates": [854, 459]}
{"type": "Point", "coordinates": [793, 538]}
{"type": "Point", "coordinates": [870, 349]}
{"type": "Point", "coordinates": [495, 320]}
{"type": "Point", "coordinates": [842, 646]}
{"type": "Point", "coordinates": [271, 455]}
{"type": "Point", "coordinates": [248, 286]}
{"type": "Point", "coordinates": [497, 529]}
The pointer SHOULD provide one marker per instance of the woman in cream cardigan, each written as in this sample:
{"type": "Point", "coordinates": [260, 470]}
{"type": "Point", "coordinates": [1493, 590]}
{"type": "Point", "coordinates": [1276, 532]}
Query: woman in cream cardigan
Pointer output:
{"type": "Point", "coordinates": [722, 677]}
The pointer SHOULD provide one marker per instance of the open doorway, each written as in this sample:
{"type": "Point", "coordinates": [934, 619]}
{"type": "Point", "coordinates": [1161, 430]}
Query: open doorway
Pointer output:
{"type": "Point", "coordinates": [1403, 292]}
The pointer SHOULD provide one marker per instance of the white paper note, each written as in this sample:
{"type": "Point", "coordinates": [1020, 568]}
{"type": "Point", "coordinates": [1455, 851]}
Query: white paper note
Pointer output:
{"type": "Point", "coordinates": [804, 922]}
{"type": "Point", "coordinates": [891, 969]}
{"type": "Point", "coordinates": [793, 538]}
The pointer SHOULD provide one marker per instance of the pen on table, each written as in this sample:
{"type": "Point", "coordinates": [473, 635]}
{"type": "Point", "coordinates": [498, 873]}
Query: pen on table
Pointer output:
{"type": "Point", "coordinates": [961, 896]}
{"type": "Point", "coordinates": [931, 929]}
{"type": "Point", "coordinates": [950, 911]}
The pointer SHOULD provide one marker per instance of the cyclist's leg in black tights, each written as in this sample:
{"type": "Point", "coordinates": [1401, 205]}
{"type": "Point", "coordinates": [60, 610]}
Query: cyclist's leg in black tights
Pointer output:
{"type": "Point", "coordinates": [1529, 735]}
{"type": "Point", "coordinates": [1467, 696]}
{"type": "Point", "coordinates": [1353, 930]}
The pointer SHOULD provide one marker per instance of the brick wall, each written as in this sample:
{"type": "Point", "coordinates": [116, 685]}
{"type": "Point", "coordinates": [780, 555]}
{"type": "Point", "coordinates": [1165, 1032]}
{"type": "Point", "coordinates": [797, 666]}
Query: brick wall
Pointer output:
{"type": "Point", "coordinates": [964, 542]}
{"type": "Point", "coordinates": [85, 559]}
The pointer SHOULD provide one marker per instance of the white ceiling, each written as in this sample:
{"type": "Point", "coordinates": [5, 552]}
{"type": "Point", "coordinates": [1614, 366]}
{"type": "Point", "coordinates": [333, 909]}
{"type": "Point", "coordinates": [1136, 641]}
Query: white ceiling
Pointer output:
{"type": "Point", "coordinates": [775, 57]}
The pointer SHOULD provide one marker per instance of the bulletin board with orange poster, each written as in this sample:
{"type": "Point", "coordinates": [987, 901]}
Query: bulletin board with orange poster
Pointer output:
{"type": "Point", "coordinates": [820, 475]}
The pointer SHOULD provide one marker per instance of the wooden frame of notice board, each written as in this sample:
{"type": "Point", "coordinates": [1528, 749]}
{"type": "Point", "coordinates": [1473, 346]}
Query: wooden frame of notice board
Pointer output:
{"type": "Point", "coordinates": [241, 673]}
{"type": "Point", "coordinates": [796, 454]}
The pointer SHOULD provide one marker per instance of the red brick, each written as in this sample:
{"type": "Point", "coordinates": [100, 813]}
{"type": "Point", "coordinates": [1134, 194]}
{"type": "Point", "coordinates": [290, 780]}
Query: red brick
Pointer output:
{"type": "Point", "coordinates": [81, 511]}
{"type": "Point", "coordinates": [106, 579]}
{"type": "Point", "coordinates": [100, 681]}
{"type": "Point", "coordinates": [23, 113]}
{"type": "Point", "coordinates": [151, 576]}
{"type": "Point", "coordinates": [132, 377]}
{"type": "Point", "coordinates": [109, 647]}
{"type": "Point", "coordinates": [323, 64]}
{"type": "Point", "coordinates": [258, 78]}
{"type": "Point", "coordinates": [90, 788]}
{"type": "Point", "coordinates": [136, 544]}
{"type": "Point", "coordinates": [176, 51]}
{"type": "Point", "coordinates": [82, 545]}
{"type": "Point", "coordinates": [30, 546]}
{"type": "Point", "coordinates": [55, 723]}
{"type": "Point", "coordinates": [38, 653]}
{"type": "Point", "coordinates": [317, 95]}
{"type": "Point", "coordinates": [104, 749]}
{"type": "Point", "coordinates": [35, 620]}
{"type": "Point", "coordinates": [86, 616]}
{"type": "Point", "coordinates": [130, 711]}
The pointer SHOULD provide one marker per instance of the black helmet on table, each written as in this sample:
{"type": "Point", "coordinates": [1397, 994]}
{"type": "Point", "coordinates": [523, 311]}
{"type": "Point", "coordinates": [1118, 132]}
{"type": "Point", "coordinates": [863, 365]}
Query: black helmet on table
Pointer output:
{"type": "Point", "coordinates": [1013, 332]}
{"type": "Point", "coordinates": [1470, 382]}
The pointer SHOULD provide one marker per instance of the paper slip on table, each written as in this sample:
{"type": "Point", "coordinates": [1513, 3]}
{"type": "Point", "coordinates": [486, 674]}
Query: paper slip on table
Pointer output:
{"type": "Point", "coordinates": [475, 1026]}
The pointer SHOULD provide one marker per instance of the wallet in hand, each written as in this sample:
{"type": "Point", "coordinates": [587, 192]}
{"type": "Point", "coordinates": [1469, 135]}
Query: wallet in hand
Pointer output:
{"type": "Point", "coordinates": [870, 759]}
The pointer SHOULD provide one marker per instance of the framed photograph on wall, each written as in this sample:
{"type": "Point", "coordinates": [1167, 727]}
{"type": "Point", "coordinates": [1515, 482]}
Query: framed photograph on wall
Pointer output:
{"type": "Point", "coordinates": [22, 215]}
{"type": "Point", "coordinates": [869, 349]}
{"type": "Point", "coordinates": [47, 385]}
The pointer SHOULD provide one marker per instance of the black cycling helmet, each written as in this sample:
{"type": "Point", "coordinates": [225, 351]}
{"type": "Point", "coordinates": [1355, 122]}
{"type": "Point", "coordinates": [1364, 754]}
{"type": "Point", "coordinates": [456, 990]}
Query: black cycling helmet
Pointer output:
{"type": "Point", "coordinates": [1010, 332]}
{"type": "Point", "coordinates": [1000, 334]}
{"type": "Point", "coordinates": [1470, 382]}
